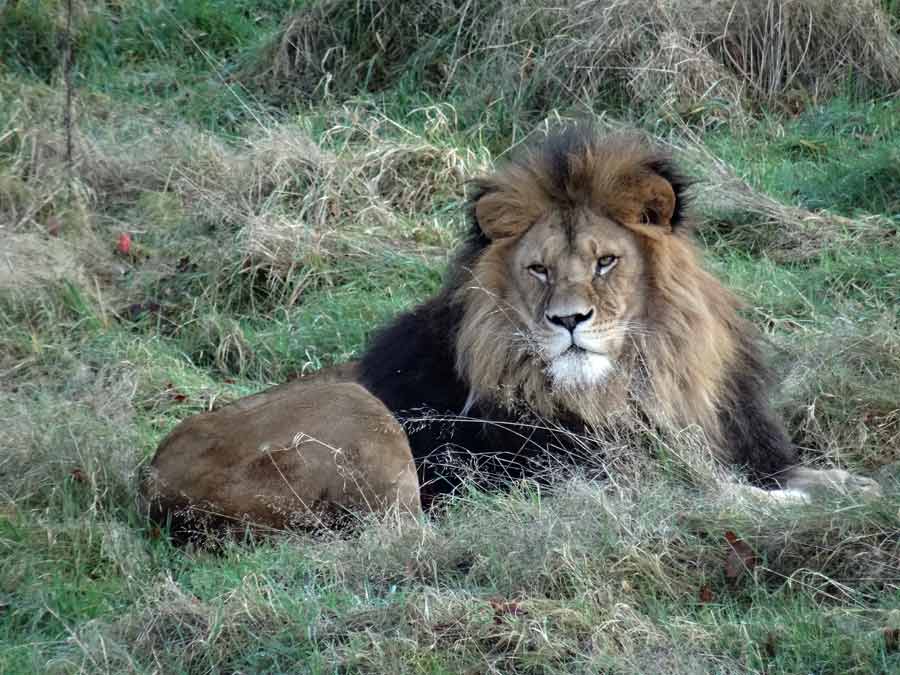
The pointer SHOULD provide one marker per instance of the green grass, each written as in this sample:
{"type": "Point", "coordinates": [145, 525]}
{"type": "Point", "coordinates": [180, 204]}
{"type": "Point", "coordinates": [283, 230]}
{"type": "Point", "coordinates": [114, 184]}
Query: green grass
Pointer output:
{"type": "Point", "coordinates": [173, 56]}
{"type": "Point", "coordinates": [841, 157]}
{"type": "Point", "coordinates": [356, 203]}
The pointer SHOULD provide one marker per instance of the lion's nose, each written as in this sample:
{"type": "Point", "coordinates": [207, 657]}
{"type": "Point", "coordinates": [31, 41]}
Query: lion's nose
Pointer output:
{"type": "Point", "coordinates": [570, 321]}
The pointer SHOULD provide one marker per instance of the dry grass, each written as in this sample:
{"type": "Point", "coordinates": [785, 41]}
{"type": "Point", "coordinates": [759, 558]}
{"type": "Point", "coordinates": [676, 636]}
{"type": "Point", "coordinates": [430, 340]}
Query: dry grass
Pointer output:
{"type": "Point", "coordinates": [681, 76]}
{"type": "Point", "coordinates": [784, 50]}
{"type": "Point", "coordinates": [29, 261]}
{"type": "Point", "coordinates": [565, 581]}
{"type": "Point", "coordinates": [410, 177]}
{"type": "Point", "coordinates": [758, 222]}
{"type": "Point", "coordinates": [280, 207]}
{"type": "Point", "coordinates": [841, 394]}
{"type": "Point", "coordinates": [77, 429]}
{"type": "Point", "coordinates": [687, 57]}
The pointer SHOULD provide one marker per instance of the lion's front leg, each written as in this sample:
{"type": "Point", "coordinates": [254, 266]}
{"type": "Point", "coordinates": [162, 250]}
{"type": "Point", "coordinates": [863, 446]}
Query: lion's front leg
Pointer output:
{"type": "Point", "coordinates": [817, 481]}
{"type": "Point", "coordinates": [756, 439]}
{"type": "Point", "coordinates": [802, 485]}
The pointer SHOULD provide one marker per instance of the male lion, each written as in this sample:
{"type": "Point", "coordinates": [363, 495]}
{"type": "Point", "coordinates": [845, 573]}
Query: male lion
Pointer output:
{"type": "Point", "coordinates": [578, 304]}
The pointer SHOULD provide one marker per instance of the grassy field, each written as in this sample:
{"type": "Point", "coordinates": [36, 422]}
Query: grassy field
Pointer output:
{"type": "Point", "coordinates": [289, 175]}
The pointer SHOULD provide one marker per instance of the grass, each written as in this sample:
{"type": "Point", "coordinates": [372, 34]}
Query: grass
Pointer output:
{"type": "Point", "coordinates": [838, 157]}
{"type": "Point", "coordinates": [509, 64]}
{"type": "Point", "coordinates": [270, 239]}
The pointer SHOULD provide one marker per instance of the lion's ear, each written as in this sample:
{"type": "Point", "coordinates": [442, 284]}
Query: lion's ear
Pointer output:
{"type": "Point", "coordinates": [501, 214]}
{"type": "Point", "coordinates": [646, 204]}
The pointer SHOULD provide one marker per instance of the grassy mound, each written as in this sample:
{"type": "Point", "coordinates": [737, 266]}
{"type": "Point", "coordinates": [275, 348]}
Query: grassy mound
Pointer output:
{"type": "Point", "coordinates": [693, 59]}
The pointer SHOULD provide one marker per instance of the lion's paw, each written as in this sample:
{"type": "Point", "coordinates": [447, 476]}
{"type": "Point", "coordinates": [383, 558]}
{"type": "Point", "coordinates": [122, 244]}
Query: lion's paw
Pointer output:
{"type": "Point", "coordinates": [735, 492]}
{"type": "Point", "coordinates": [811, 481]}
{"type": "Point", "coordinates": [862, 485]}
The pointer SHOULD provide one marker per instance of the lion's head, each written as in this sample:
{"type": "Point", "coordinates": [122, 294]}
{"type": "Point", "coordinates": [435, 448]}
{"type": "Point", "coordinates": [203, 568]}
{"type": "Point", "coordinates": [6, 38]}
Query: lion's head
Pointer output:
{"type": "Point", "coordinates": [581, 289]}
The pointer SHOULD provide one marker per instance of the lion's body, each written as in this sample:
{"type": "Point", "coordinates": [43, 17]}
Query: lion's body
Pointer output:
{"type": "Point", "coordinates": [302, 454]}
{"type": "Point", "coordinates": [531, 341]}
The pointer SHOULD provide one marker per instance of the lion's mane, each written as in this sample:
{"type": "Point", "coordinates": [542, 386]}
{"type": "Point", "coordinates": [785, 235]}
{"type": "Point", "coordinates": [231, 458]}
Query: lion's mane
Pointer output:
{"type": "Point", "coordinates": [696, 363]}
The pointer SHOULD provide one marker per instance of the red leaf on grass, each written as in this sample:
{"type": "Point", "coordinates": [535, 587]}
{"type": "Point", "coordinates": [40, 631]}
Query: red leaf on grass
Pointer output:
{"type": "Point", "coordinates": [706, 594]}
{"type": "Point", "coordinates": [741, 558]}
{"type": "Point", "coordinates": [123, 246]}
{"type": "Point", "coordinates": [174, 394]}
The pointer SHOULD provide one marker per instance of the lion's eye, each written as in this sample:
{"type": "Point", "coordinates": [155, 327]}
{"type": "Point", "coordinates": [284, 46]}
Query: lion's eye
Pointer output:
{"type": "Point", "coordinates": [539, 271]}
{"type": "Point", "coordinates": [606, 263]}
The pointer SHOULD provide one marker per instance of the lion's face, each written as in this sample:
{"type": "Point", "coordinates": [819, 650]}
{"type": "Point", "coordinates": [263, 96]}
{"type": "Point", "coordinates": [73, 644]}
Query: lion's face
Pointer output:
{"type": "Point", "coordinates": [581, 268]}
{"type": "Point", "coordinates": [582, 294]}
{"type": "Point", "coordinates": [577, 280]}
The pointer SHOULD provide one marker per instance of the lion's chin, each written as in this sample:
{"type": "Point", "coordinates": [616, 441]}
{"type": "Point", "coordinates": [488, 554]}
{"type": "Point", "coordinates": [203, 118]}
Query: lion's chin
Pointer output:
{"type": "Point", "coordinates": [579, 369]}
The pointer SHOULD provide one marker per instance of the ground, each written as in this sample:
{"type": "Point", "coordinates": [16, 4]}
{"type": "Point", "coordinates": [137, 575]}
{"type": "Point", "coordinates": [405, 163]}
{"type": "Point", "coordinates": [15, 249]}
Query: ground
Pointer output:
{"type": "Point", "coordinates": [242, 206]}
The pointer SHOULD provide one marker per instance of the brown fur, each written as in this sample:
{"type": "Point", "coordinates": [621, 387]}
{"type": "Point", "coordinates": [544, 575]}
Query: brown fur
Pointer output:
{"type": "Point", "coordinates": [299, 455]}
{"type": "Point", "coordinates": [673, 370]}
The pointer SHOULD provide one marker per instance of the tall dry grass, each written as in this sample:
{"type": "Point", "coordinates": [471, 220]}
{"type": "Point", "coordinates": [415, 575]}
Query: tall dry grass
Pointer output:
{"type": "Point", "coordinates": [275, 206]}
{"type": "Point", "coordinates": [695, 59]}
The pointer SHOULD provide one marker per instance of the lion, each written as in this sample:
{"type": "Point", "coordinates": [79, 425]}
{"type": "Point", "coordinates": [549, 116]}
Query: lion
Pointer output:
{"type": "Point", "coordinates": [304, 455]}
{"type": "Point", "coordinates": [577, 304]}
